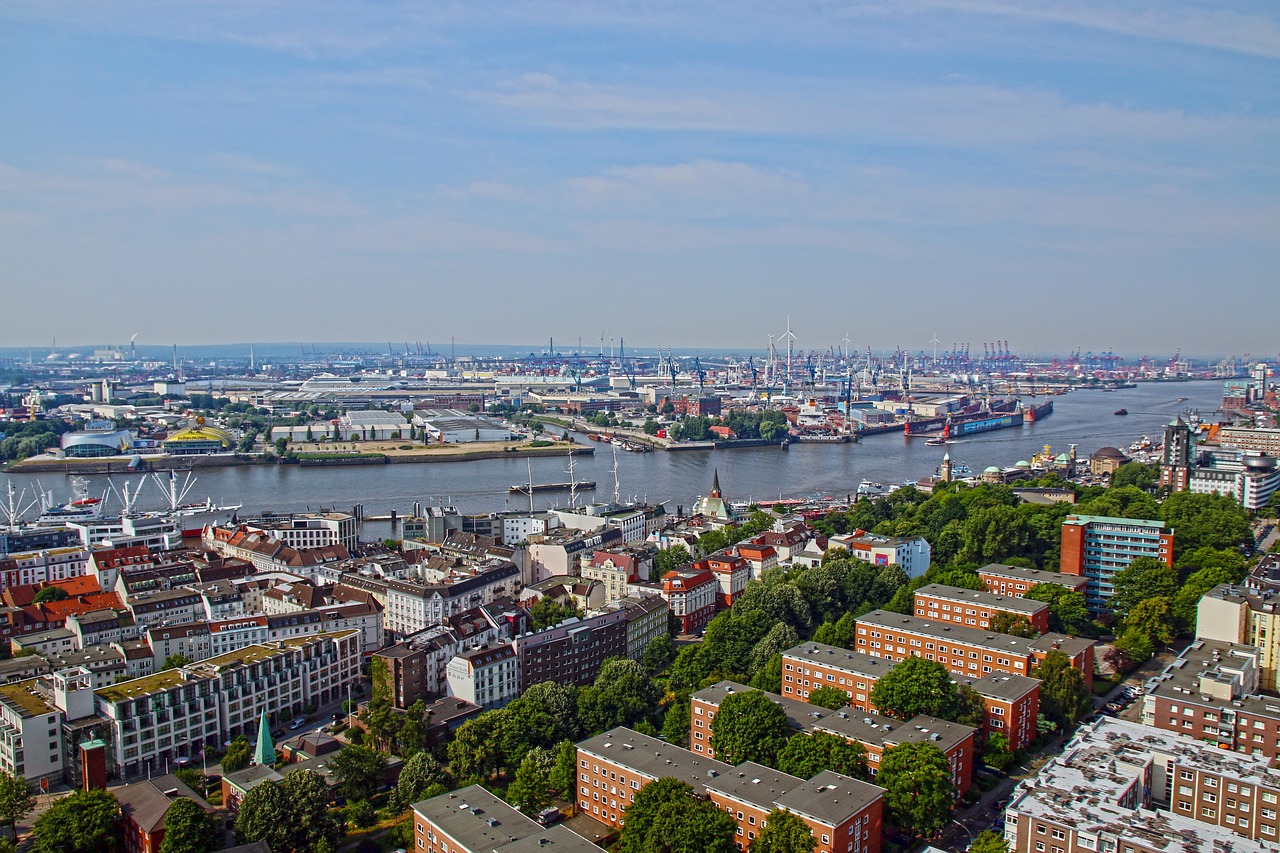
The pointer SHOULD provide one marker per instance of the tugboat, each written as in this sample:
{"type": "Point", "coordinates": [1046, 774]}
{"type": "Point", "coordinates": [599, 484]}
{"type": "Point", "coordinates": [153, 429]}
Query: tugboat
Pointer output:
{"type": "Point", "coordinates": [1122, 411]}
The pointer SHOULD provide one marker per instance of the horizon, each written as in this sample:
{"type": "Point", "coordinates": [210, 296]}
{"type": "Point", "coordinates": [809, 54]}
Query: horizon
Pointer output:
{"type": "Point", "coordinates": [1076, 171]}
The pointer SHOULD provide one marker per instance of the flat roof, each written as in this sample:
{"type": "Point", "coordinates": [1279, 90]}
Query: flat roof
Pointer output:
{"type": "Point", "coordinates": [830, 798]}
{"type": "Point", "coordinates": [838, 658]}
{"type": "Point", "coordinates": [20, 695]}
{"type": "Point", "coordinates": [867, 727]}
{"type": "Point", "coordinates": [754, 784]}
{"type": "Point", "coordinates": [941, 631]}
{"type": "Point", "coordinates": [1025, 606]}
{"type": "Point", "coordinates": [652, 757]}
{"type": "Point", "coordinates": [800, 714]}
{"type": "Point", "coordinates": [1001, 685]}
{"type": "Point", "coordinates": [1034, 575]}
{"type": "Point", "coordinates": [476, 820]}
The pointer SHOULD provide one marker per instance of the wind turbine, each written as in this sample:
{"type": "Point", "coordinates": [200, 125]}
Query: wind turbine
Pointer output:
{"type": "Point", "coordinates": [935, 343]}
{"type": "Point", "coordinates": [844, 346]}
{"type": "Point", "coordinates": [791, 338]}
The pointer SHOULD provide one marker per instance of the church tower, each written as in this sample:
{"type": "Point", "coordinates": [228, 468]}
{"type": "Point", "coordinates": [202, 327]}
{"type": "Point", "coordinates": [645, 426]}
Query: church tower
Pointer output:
{"type": "Point", "coordinates": [944, 473]}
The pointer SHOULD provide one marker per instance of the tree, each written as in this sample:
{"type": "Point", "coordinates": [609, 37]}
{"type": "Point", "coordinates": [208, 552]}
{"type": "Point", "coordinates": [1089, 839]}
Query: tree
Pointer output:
{"type": "Point", "coordinates": [359, 769]}
{"type": "Point", "coordinates": [1153, 618]}
{"type": "Point", "coordinates": [997, 755]}
{"type": "Point", "coordinates": [1013, 624]}
{"type": "Point", "coordinates": [918, 792]}
{"type": "Point", "coordinates": [659, 654]}
{"type": "Point", "coordinates": [314, 828]}
{"type": "Point", "coordinates": [473, 752]}
{"type": "Point", "coordinates": [531, 788]}
{"type": "Point", "coordinates": [828, 697]}
{"type": "Point", "coordinates": [16, 800]}
{"type": "Point", "coordinates": [749, 727]}
{"type": "Point", "coordinates": [189, 829]}
{"type": "Point", "coordinates": [1064, 698]}
{"type": "Point", "coordinates": [916, 686]}
{"type": "Point", "coordinates": [770, 676]}
{"type": "Point", "coordinates": [418, 774]}
{"type": "Point", "coordinates": [547, 612]}
{"type": "Point", "coordinates": [238, 755]}
{"type": "Point", "coordinates": [82, 822]}
{"type": "Point", "coordinates": [989, 841]}
{"type": "Point", "coordinates": [807, 755]}
{"type": "Point", "coordinates": [666, 818]}
{"type": "Point", "coordinates": [49, 593]}
{"type": "Point", "coordinates": [266, 815]}
{"type": "Point", "coordinates": [1067, 611]}
{"type": "Point", "coordinates": [1143, 578]}
{"type": "Point", "coordinates": [675, 725]}
{"type": "Point", "coordinates": [622, 694]}
{"type": "Point", "coordinates": [783, 832]}
{"type": "Point", "coordinates": [565, 772]}
{"type": "Point", "coordinates": [176, 662]}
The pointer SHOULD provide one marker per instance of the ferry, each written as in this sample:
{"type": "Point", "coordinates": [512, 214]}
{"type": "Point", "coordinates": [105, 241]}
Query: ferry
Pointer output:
{"type": "Point", "coordinates": [81, 507]}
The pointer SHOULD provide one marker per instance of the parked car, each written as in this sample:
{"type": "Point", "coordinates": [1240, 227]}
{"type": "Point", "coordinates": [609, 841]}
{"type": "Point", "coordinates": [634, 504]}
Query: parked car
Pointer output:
{"type": "Point", "coordinates": [549, 815]}
{"type": "Point", "coordinates": [297, 724]}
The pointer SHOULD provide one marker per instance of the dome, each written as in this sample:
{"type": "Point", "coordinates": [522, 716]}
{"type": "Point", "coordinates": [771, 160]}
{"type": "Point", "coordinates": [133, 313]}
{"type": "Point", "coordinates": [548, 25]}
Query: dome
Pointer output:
{"type": "Point", "coordinates": [1062, 459]}
{"type": "Point", "coordinates": [1110, 453]}
{"type": "Point", "coordinates": [204, 432]}
{"type": "Point", "coordinates": [1022, 463]}
{"type": "Point", "coordinates": [991, 469]}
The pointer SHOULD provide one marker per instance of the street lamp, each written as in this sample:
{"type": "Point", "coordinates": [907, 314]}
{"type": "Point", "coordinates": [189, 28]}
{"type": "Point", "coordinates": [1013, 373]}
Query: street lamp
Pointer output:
{"type": "Point", "coordinates": [966, 832]}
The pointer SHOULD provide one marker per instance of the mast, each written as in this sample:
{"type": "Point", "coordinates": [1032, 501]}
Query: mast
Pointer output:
{"type": "Point", "coordinates": [530, 461]}
{"type": "Point", "coordinates": [617, 488]}
{"type": "Point", "coordinates": [573, 484]}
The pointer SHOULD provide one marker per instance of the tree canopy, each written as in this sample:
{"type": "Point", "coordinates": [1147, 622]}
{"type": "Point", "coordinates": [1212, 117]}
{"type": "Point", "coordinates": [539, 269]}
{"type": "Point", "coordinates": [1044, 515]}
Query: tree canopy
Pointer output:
{"type": "Point", "coordinates": [1068, 613]}
{"type": "Point", "coordinates": [989, 841]}
{"type": "Point", "coordinates": [829, 697]}
{"type": "Point", "coordinates": [291, 816]}
{"type": "Point", "coordinates": [81, 822]}
{"type": "Point", "coordinates": [359, 770]}
{"type": "Point", "coordinates": [918, 792]}
{"type": "Point", "coordinates": [1143, 578]}
{"type": "Point", "coordinates": [667, 818]}
{"type": "Point", "coordinates": [916, 686]}
{"type": "Point", "coordinates": [1064, 698]}
{"type": "Point", "coordinates": [807, 755]}
{"type": "Point", "coordinates": [783, 832]}
{"type": "Point", "coordinates": [189, 829]}
{"type": "Point", "coordinates": [749, 726]}
{"type": "Point", "coordinates": [16, 800]}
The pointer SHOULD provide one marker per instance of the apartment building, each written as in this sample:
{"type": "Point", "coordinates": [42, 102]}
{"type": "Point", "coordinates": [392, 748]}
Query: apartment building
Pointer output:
{"type": "Point", "coordinates": [41, 567]}
{"type": "Point", "coordinates": [614, 766]}
{"type": "Point", "coordinates": [1132, 769]}
{"type": "Point", "coordinates": [473, 820]}
{"type": "Point", "coordinates": [1011, 707]}
{"type": "Point", "coordinates": [311, 530]}
{"type": "Point", "coordinates": [760, 558]}
{"type": "Point", "coordinates": [414, 605]}
{"type": "Point", "coordinates": [190, 641]}
{"type": "Point", "coordinates": [614, 568]}
{"type": "Point", "coordinates": [1096, 547]}
{"type": "Point", "coordinates": [692, 595]}
{"type": "Point", "coordinates": [573, 651]}
{"type": "Point", "coordinates": [1211, 693]}
{"type": "Point", "coordinates": [1014, 581]}
{"type": "Point", "coordinates": [30, 732]}
{"type": "Point", "coordinates": [731, 572]}
{"type": "Point", "coordinates": [1242, 615]}
{"type": "Point", "coordinates": [975, 609]}
{"type": "Point", "coordinates": [843, 814]}
{"type": "Point", "coordinates": [488, 676]}
{"type": "Point", "coordinates": [647, 616]}
{"type": "Point", "coordinates": [811, 665]}
{"type": "Point", "coordinates": [965, 652]}
{"type": "Point", "coordinates": [875, 732]}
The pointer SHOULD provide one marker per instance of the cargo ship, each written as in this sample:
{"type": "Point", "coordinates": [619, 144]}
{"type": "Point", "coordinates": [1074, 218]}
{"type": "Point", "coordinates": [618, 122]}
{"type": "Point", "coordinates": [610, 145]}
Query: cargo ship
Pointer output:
{"type": "Point", "coordinates": [985, 424]}
{"type": "Point", "coordinates": [1031, 414]}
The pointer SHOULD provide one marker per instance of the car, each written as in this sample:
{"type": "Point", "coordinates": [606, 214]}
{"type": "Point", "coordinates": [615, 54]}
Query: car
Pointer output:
{"type": "Point", "coordinates": [336, 717]}
{"type": "Point", "coordinates": [549, 815]}
{"type": "Point", "coordinates": [297, 724]}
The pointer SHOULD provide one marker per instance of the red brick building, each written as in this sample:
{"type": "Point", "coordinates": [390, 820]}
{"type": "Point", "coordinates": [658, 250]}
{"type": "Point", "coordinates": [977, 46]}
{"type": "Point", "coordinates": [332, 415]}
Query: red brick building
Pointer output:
{"type": "Point", "coordinates": [975, 609]}
{"type": "Point", "coordinates": [811, 665]}
{"type": "Point", "coordinates": [1012, 704]}
{"type": "Point", "coordinates": [143, 806]}
{"type": "Point", "coordinates": [692, 595]}
{"type": "Point", "coordinates": [1015, 580]}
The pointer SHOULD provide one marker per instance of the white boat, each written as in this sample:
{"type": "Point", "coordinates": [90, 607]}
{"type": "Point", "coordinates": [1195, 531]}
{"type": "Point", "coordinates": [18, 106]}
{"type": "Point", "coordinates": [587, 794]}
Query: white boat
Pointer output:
{"type": "Point", "coordinates": [81, 507]}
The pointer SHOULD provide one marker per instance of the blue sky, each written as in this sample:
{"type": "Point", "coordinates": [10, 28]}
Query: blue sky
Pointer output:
{"type": "Point", "coordinates": [1056, 174]}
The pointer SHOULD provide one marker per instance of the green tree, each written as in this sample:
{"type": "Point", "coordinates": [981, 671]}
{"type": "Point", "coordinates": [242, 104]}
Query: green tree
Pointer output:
{"type": "Point", "coordinates": [769, 677]}
{"type": "Point", "coordinates": [675, 724]}
{"type": "Point", "coordinates": [531, 790]}
{"type": "Point", "coordinates": [783, 832]}
{"type": "Point", "coordinates": [622, 694]}
{"type": "Point", "coordinates": [1154, 618]}
{"type": "Point", "coordinates": [1187, 599]}
{"type": "Point", "coordinates": [49, 593]}
{"type": "Point", "coordinates": [1068, 613]}
{"type": "Point", "coordinates": [314, 828]}
{"type": "Point", "coordinates": [266, 815]}
{"type": "Point", "coordinates": [916, 686]}
{"type": "Point", "coordinates": [474, 753]}
{"type": "Point", "coordinates": [997, 754]}
{"type": "Point", "coordinates": [749, 727]}
{"type": "Point", "coordinates": [1012, 624]}
{"type": "Point", "coordinates": [81, 822]}
{"type": "Point", "coordinates": [918, 792]}
{"type": "Point", "coordinates": [1143, 578]}
{"type": "Point", "coordinates": [989, 841]}
{"type": "Point", "coordinates": [667, 818]}
{"type": "Point", "coordinates": [1136, 646]}
{"type": "Point", "coordinates": [1064, 698]}
{"type": "Point", "coordinates": [565, 773]}
{"type": "Point", "coordinates": [418, 774]}
{"type": "Point", "coordinates": [176, 662]}
{"type": "Point", "coordinates": [16, 800]}
{"type": "Point", "coordinates": [1135, 474]}
{"type": "Point", "coordinates": [828, 697]}
{"type": "Point", "coordinates": [659, 654]}
{"type": "Point", "coordinates": [238, 755]}
{"type": "Point", "coordinates": [670, 559]}
{"type": "Point", "coordinates": [547, 612]}
{"type": "Point", "coordinates": [189, 829]}
{"type": "Point", "coordinates": [1215, 521]}
{"type": "Point", "coordinates": [807, 755]}
{"type": "Point", "coordinates": [359, 769]}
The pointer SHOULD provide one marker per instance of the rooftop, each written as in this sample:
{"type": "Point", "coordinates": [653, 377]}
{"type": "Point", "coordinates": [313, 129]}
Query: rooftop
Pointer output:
{"type": "Point", "coordinates": [652, 757]}
{"type": "Point", "coordinates": [754, 784]}
{"type": "Point", "coordinates": [800, 714]}
{"type": "Point", "coordinates": [474, 819]}
{"type": "Point", "coordinates": [22, 697]}
{"type": "Point", "coordinates": [1034, 575]}
{"type": "Point", "coordinates": [830, 798]}
{"type": "Point", "coordinates": [1023, 606]}
{"type": "Point", "coordinates": [834, 656]}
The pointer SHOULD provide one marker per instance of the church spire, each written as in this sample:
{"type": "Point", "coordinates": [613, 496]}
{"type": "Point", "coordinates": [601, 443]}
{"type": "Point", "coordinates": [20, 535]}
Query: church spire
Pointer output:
{"type": "Point", "coordinates": [265, 752]}
{"type": "Point", "coordinates": [715, 484]}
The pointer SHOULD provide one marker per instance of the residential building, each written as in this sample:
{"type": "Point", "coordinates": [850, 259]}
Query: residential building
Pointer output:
{"type": "Point", "coordinates": [975, 609]}
{"type": "Point", "coordinates": [564, 550]}
{"type": "Point", "coordinates": [1248, 477]}
{"type": "Point", "coordinates": [692, 595]}
{"type": "Point", "coordinates": [571, 652]}
{"type": "Point", "coordinates": [648, 617]}
{"type": "Point", "coordinates": [488, 676]}
{"type": "Point", "coordinates": [615, 568]}
{"type": "Point", "coordinates": [188, 641]}
{"type": "Point", "coordinates": [760, 558]}
{"type": "Point", "coordinates": [30, 732]}
{"type": "Point", "coordinates": [1129, 767]}
{"type": "Point", "coordinates": [473, 820]}
{"type": "Point", "coordinates": [143, 807]}
{"type": "Point", "coordinates": [414, 605]}
{"type": "Point", "coordinates": [41, 567]}
{"type": "Point", "coordinates": [1014, 581]}
{"type": "Point", "coordinates": [1011, 707]}
{"type": "Point", "coordinates": [965, 652]}
{"type": "Point", "coordinates": [844, 815]}
{"type": "Point", "coordinates": [1244, 616]}
{"type": "Point", "coordinates": [1096, 547]}
{"type": "Point", "coordinates": [731, 572]}
{"type": "Point", "coordinates": [811, 665]}
{"type": "Point", "coordinates": [912, 555]}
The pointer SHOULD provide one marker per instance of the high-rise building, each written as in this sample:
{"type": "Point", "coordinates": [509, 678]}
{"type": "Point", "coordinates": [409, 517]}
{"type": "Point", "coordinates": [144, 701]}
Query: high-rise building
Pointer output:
{"type": "Point", "coordinates": [1175, 465]}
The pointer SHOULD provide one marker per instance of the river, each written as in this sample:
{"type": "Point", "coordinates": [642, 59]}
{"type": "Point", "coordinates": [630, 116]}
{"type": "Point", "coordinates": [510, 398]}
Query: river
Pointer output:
{"type": "Point", "coordinates": [1085, 418]}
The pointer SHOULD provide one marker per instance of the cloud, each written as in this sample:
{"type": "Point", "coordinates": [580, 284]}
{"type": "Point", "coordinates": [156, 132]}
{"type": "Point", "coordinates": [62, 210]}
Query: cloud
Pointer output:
{"type": "Point", "coordinates": [725, 186]}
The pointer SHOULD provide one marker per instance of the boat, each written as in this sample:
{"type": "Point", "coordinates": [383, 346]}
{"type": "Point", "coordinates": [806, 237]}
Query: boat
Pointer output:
{"type": "Point", "coordinates": [523, 488]}
{"type": "Point", "coordinates": [1122, 411]}
{"type": "Point", "coordinates": [81, 507]}
{"type": "Point", "coordinates": [1033, 413]}
{"type": "Point", "coordinates": [867, 488]}
{"type": "Point", "coordinates": [936, 441]}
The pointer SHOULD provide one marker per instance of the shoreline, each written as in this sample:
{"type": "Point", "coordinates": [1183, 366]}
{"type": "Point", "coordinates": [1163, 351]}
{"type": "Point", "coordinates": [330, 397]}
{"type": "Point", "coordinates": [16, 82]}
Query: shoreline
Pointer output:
{"type": "Point", "coordinates": [120, 464]}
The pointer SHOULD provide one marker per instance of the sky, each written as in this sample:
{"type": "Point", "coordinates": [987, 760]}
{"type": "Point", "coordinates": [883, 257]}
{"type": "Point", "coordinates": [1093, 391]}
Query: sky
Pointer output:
{"type": "Point", "coordinates": [1057, 174]}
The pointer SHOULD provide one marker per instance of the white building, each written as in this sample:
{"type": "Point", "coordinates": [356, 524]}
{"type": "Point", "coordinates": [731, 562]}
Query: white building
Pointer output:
{"type": "Point", "coordinates": [450, 426]}
{"type": "Point", "coordinates": [488, 677]}
{"type": "Point", "coordinates": [39, 567]}
{"type": "Point", "coordinates": [31, 731]}
{"type": "Point", "coordinates": [414, 606]}
{"type": "Point", "coordinates": [373, 425]}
